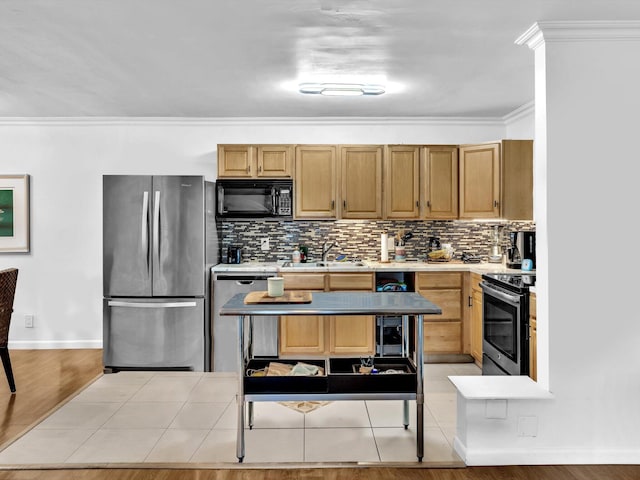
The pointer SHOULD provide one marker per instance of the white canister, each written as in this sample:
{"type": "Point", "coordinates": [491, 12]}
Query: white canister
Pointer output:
{"type": "Point", "coordinates": [275, 286]}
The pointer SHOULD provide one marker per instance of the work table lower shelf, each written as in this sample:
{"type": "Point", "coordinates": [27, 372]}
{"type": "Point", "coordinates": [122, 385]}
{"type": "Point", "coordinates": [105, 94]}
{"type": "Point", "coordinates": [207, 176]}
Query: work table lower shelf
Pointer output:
{"type": "Point", "coordinates": [339, 378]}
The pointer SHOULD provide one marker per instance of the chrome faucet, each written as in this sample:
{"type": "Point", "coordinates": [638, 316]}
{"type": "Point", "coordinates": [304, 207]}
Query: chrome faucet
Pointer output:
{"type": "Point", "coordinates": [326, 249]}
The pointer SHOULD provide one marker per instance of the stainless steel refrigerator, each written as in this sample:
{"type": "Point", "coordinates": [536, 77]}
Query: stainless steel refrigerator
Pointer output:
{"type": "Point", "coordinates": [159, 243]}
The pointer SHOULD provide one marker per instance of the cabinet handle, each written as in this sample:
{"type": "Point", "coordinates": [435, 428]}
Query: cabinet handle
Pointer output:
{"type": "Point", "coordinates": [344, 204]}
{"type": "Point", "coordinates": [470, 301]}
{"type": "Point", "coordinates": [495, 203]}
{"type": "Point", "coordinates": [428, 204]}
{"type": "Point", "coordinates": [333, 204]}
{"type": "Point", "coordinates": [418, 203]}
{"type": "Point", "coordinates": [259, 168]}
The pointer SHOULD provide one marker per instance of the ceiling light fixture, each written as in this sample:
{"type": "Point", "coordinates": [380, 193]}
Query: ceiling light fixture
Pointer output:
{"type": "Point", "coordinates": [341, 89]}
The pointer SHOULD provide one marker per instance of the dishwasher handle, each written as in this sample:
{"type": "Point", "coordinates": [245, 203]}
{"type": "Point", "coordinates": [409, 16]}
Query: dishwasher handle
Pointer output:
{"type": "Point", "coordinates": [244, 279]}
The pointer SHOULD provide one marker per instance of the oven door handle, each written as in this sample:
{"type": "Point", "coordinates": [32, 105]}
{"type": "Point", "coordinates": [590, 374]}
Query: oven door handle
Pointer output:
{"type": "Point", "coordinates": [501, 295]}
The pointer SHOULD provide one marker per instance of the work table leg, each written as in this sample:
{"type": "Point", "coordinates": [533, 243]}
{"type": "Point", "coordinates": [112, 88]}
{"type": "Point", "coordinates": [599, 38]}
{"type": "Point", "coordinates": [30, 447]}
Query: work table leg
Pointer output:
{"type": "Point", "coordinates": [240, 395]}
{"type": "Point", "coordinates": [419, 353]}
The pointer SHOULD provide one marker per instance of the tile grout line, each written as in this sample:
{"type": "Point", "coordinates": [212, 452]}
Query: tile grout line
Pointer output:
{"type": "Point", "coordinates": [373, 434]}
{"type": "Point", "coordinates": [122, 404]}
{"type": "Point", "coordinates": [97, 429]}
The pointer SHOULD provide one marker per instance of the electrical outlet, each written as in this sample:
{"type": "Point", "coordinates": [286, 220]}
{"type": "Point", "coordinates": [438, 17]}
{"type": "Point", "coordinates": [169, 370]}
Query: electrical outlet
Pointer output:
{"type": "Point", "coordinates": [264, 244]}
{"type": "Point", "coordinates": [28, 321]}
{"type": "Point", "coordinates": [528, 426]}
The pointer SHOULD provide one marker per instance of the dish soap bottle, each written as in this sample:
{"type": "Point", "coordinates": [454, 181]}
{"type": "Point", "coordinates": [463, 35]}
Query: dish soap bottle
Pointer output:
{"type": "Point", "coordinates": [295, 257]}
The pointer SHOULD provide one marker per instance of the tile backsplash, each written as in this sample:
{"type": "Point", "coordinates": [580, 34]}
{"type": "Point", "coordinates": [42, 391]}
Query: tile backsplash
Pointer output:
{"type": "Point", "coordinates": [359, 238]}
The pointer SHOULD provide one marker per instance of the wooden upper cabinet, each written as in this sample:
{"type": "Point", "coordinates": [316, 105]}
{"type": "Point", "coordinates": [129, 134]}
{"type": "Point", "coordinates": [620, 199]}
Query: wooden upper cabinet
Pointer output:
{"type": "Point", "coordinates": [255, 161]}
{"type": "Point", "coordinates": [440, 182]}
{"type": "Point", "coordinates": [517, 180]}
{"type": "Point", "coordinates": [402, 181]}
{"type": "Point", "coordinates": [496, 180]}
{"type": "Point", "coordinates": [361, 182]}
{"type": "Point", "coordinates": [480, 181]}
{"type": "Point", "coordinates": [275, 161]}
{"type": "Point", "coordinates": [236, 160]}
{"type": "Point", "coordinates": [316, 181]}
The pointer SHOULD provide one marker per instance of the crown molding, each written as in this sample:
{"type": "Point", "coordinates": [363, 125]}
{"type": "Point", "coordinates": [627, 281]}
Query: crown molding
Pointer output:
{"type": "Point", "coordinates": [579, 31]}
{"type": "Point", "coordinates": [520, 112]}
{"type": "Point", "coordinates": [247, 121]}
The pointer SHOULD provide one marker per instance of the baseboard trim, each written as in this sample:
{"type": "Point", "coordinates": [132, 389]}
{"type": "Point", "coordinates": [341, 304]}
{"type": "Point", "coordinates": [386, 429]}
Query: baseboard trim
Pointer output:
{"type": "Point", "coordinates": [53, 344]}
{"type": "Point", "coordinates": [546, 456]}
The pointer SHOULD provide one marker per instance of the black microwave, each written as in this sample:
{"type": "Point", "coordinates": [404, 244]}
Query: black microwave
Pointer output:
{"type": "Point", "coordinates": [238, 199]}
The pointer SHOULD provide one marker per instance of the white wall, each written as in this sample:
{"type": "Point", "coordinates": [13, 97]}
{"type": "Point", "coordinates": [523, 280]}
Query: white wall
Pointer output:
{"type": "Point", "coordinates": [588, 318]}
{"type": "Point", "coordinates": [60, 280]}
{"type": "Point", "coordinates": [520, 123]}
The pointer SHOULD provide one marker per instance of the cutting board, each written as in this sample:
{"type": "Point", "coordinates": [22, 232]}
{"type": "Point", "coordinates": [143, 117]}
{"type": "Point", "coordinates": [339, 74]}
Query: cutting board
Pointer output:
{"type": "Point", "coordinates": [288, 297]}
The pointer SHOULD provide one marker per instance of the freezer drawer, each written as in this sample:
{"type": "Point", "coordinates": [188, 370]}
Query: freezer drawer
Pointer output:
{"type": "Point", "coordinates": [163, 333]}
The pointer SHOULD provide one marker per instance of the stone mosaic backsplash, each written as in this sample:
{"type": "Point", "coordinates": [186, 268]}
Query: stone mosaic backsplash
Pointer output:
{"type": "Point", "coordinates": [359, 238]}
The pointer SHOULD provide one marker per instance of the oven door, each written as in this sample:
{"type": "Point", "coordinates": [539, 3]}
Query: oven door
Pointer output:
{"type": "Point", "coordinates": [504, 331]}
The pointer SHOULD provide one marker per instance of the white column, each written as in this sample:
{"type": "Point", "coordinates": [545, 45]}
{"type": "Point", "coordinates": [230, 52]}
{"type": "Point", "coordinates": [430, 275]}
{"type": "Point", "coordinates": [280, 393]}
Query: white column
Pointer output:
{"type": "Point", "coordinates": [587, 205]}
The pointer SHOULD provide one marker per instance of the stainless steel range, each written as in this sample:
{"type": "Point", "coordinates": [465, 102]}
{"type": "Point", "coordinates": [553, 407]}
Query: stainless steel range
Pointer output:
{"type": "Point", "coordinates": [505, 322]}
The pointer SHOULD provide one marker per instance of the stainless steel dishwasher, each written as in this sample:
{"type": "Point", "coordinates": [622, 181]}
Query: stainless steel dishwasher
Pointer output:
{"type": "Point", "coordinates": [225, 329]}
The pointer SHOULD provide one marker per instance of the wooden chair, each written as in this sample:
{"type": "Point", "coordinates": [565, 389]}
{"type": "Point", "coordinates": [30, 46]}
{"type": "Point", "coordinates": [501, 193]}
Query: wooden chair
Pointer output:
{"type": "Point", "coordinates": [8, 281]}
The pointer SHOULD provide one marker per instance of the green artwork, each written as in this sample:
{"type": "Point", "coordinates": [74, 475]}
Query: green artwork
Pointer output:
{"type": "Point", "coordinates": [6, 213]}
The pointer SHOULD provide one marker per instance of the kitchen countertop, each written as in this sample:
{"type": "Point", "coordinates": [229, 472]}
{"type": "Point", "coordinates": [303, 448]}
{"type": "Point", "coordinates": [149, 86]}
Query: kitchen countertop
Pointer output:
{"type": "Point", "coordinates": [369, 266]}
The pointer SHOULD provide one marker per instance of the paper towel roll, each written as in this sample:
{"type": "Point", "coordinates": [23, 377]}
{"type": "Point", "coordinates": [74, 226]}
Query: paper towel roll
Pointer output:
{"type": "Point", "coordinates": [384, 252]}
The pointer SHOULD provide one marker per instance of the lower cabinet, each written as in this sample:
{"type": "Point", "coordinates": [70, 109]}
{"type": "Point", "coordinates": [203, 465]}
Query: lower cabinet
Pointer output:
{"type": "Point", "coordinates": [533, 337]}
{"type": "Point", "coordinates": [443, 332]}
{"type": "Point", "coordinates": [319, 335]}
{"type": "Point", "coordinates": [476, 318]}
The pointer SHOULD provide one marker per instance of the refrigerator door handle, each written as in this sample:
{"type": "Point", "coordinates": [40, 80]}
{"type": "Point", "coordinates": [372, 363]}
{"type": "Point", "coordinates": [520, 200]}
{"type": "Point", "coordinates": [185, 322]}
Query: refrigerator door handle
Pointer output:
{"type": "Point", "coordinates": [116, 303]}
{"type": "Point", "coordinates": [145, 226]}
{"type": "Point", "coordinates": [156, 225]}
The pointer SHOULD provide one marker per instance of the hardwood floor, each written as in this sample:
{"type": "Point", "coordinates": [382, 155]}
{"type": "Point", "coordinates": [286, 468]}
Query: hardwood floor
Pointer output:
{"type": "Point", "coordinates": [44, 378]}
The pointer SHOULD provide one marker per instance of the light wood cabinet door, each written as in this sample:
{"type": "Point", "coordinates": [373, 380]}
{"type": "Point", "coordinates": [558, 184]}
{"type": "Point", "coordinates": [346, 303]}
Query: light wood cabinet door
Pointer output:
{"type": "Point", "coordinates": [316, 192]}
{"type": "Point", "coordinates": [442, 332]}
{"type": "Point", "coordinates": [516, 188]}
{"type": "Point", "coordinates": [476, 318]}
{"type": "Point", "coordinates": [480, 181]}
{"type": "Point", "coordinates": [533, 337]}
{"type": "Point", "coordinates": [321, 335]}
{"type": "Point", "coordinates": [275, 161]}
{"type": "Point", "coordinates": [440, 182]}
{"type": "Point", "coordinates": [302, 334]}
{"type": "Point", "coordinates": [442, 337]}
{"type": "Point", "coordinates": [351, 334]}
{"type": "Point", "coordinates": [236, 161]}
{"type": "Point", "coordinates": [361, 182]}
{"type": "Point", "coordinates": [402, 181]}
{"type": "Point", "coordinates": [255, 161]}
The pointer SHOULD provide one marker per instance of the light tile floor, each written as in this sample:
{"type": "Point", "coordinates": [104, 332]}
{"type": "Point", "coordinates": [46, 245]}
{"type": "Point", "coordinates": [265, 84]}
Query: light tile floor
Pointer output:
{"type": "Point", "coordinates": [184, 417]}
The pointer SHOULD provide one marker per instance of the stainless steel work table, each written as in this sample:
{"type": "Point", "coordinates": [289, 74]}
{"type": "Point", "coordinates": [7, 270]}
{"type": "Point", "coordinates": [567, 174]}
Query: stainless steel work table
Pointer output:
{"type": "Point", "coordinates": [334, 303]}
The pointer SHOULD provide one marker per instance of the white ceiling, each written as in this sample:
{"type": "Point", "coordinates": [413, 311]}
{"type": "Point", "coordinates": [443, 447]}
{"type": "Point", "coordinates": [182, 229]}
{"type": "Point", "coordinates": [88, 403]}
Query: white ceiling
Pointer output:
{"type": "Point", "coordinates": [243, 58]}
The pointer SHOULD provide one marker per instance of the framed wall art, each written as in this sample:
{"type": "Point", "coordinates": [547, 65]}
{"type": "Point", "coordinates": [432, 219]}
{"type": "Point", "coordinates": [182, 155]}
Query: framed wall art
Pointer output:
{"type": "Point", "coordinates": [14, 213]}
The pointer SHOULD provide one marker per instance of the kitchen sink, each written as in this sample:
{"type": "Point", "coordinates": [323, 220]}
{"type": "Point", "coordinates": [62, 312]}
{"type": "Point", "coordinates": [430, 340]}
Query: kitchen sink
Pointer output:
{"type": "Point", "coordinates": [341, 264]}
{"type": "Point", "coordinates": [325, 264]}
